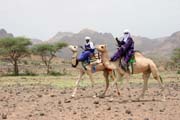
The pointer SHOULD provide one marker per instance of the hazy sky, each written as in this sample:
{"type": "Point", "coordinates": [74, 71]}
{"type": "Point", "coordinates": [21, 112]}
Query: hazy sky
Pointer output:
{"type": "Point", "coordinates": [44, 18]}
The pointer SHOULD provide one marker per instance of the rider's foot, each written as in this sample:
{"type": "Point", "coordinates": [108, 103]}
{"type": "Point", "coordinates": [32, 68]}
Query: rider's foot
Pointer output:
{"type": "Point", "coordinates": [124, 66]}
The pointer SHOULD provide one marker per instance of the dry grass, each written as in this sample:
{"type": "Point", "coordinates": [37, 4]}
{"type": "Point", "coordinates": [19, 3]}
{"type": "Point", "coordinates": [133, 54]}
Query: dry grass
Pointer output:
{"type": "Point", "coordinates": [69, 79]}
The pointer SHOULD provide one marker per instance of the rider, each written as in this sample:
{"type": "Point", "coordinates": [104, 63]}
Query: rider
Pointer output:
{"type": "Point", "coordinates": [126, 48]}
{"type": "Point", "coordinates": [88, 50]}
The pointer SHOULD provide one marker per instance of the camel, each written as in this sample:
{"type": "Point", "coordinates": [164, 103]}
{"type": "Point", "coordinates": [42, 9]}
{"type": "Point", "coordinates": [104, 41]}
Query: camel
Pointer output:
{"type": "Point", "coordinates": [142, 65]}
{"type": "Point", "coordinates": [89, 71]}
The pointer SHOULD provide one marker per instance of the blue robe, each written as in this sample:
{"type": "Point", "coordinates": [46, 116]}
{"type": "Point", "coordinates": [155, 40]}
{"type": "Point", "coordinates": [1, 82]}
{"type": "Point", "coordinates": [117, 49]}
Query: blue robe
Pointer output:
{"type": "Point", "coordinates": [85, 55]}
{"type": "Point", "coordinates": [125, 49]}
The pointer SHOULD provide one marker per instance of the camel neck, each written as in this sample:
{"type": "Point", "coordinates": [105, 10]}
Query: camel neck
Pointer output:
{"type": "Point", "coordinates": [105, 57]}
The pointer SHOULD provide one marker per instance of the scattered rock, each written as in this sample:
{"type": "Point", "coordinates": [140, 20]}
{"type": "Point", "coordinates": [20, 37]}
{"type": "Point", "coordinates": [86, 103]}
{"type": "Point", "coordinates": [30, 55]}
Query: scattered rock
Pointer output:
{"type": "Point", "coordinates": [63, 92]}
{"type": "Point", "coordinates": [4, 116]}
{"type": "Point", "coordinates": [52, 95]}
{"type": "Point", "coordinates": [128, 112]}
{"type": "Point", "coordinates": [74, 112]}
{"type": "Point", "coordinates": [139, 105]}
{"type": "Point", "coordinates": [41, 114]}
{"type": "Point", "coordinates": [67, 101]}
{"type": "Point", "coordinates": [59, 102]}
{"type": "Point", "coordinates": [150, 109]}
{"type": "Point", "coordinates": [39, 95]}
{"type": "Point", "coordinates": [162, 110]}
{"type": "Point", "coordinates": [146, 118]}
{"type": "Point", "coordinates": [108, 108]}
{"type": "Point", "coordinates": [153, 99]}
{"type": "Point", "coordinates": [130, 119]}
{"type": "Point", "coordinates": [96, 102]}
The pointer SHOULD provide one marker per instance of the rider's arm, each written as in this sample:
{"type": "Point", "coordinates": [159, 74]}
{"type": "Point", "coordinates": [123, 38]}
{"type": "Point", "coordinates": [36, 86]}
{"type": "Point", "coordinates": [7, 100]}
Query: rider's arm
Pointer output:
{"type": "Point", "coordinates": [127, 44]}
{"type": "Point", "coordinates": [91, 45]}
{"type": "Point", "coordinates": [120, 43]}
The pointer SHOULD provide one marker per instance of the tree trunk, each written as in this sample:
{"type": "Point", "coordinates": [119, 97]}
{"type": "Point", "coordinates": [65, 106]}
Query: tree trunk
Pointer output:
{"type": "Point", "coordinates": [16, 70]}
{"type": "Point", "coordinates": [48, 69]}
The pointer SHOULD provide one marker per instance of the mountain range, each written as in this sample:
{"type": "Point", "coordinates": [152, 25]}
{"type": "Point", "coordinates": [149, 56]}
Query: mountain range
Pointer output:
{"type": "Point", "coordinates": [159, 46]}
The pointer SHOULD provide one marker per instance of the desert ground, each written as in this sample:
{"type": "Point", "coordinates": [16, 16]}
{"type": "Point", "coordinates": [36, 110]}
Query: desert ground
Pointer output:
{"type": "Point", "coordinates": [46, 97]}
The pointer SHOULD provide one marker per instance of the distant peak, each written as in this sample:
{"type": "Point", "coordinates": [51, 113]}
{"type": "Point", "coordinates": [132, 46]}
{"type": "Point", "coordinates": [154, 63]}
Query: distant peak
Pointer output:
{"type": "Point", "coordinates": [3, 30]}
{"type": "Point", "coordinates": [87, 30]}
{"type": "Point", "coordinates": [176, 33]}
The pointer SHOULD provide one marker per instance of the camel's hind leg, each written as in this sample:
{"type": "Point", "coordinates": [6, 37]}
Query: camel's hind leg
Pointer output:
{"type": "Point", "coordinates": [145, 87]}
{"type": "Point", "coordinates": [156, 76]}
{"type": "Point", "coordinates": [77, 83]}
{"type": "Point", "coordinates": [159, 79]}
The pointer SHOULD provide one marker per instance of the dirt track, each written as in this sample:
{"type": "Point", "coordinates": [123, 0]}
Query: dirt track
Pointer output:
{"type": "Point", "coordinates": [48, 103]}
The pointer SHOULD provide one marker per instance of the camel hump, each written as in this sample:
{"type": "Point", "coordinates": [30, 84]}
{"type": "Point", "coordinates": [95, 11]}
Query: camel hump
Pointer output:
{"type": "Point", "coordinates": [138, 53]}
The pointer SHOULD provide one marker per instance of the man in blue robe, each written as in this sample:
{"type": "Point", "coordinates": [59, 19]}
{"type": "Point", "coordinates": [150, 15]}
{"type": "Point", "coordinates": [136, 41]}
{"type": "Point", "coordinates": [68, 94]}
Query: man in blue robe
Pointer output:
{"type": "Point", "coordinates": [88, 50]}
{"type": "Point", "coordinates": [126, 48]}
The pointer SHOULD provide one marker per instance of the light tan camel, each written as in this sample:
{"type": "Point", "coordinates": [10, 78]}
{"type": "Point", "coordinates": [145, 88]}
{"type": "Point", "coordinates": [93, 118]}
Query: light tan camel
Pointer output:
{"type": "Point", "coordinates": [142, 65]}
{"type": "Point", "coordinates": [89, 71]}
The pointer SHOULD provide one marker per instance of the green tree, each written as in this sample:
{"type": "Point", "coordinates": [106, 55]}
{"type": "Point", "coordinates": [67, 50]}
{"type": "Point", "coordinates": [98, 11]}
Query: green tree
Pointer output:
{"type": "Point", "coordinates": [176, 57]}
{"type": "Point", "coordinates": [47, 52]}
{"type": "Point", "coordinates": [15, 48]}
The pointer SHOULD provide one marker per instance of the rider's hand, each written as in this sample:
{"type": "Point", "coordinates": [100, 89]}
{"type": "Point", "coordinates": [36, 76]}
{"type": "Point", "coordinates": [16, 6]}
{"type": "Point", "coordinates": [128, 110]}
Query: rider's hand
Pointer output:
{"type": "Point", "coordinates": [81, 47]}
{"type": "Point", "coordinates": [116, 38]}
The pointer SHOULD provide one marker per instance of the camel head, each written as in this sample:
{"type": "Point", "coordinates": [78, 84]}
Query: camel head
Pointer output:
{"type": "Point", "coordinates": [101, 48]}
{"type": "Point", "coordinates": [73, 48]}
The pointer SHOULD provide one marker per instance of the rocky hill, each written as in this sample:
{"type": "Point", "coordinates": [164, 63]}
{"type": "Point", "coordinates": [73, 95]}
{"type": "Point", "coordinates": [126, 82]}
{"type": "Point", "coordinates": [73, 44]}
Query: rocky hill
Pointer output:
{"type": "Point", "coordinates": [4, 34]}
{"type": "Point", "coordinates": [155, 47]}
{"type": "Point", "coordinates": [159, 46]}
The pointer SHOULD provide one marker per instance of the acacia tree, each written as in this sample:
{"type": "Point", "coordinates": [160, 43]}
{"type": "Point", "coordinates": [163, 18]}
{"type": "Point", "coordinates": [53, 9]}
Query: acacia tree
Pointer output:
{"type": "Point", "coordinates": [14, 48]}
{"type": "Point", "coordinates": [176, 57]}
{"type": "Point", "coordinates": [47, 52]}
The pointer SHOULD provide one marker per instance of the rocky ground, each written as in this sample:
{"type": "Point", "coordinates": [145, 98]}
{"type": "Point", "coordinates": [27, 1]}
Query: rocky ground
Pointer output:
{"type": "Point", "coordinates": [43, 102]}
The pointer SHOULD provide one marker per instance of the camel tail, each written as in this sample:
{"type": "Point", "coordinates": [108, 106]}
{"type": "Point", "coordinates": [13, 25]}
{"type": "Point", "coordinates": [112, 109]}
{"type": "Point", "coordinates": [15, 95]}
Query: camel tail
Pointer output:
{"type": "Point", "coordinates": [155, 72]}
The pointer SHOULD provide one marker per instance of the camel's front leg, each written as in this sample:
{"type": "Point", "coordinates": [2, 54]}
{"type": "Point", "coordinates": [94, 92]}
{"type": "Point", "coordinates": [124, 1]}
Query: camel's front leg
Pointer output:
{"type": "Point", "coordinates": [77, 83]}
{"type": "Point", "coordinates": [92, 83]}
{"type": "Point", "coordinates": [106, 74]}
{"type": "Point", "coordinates": [115, 82]}
{"type": "Point", "coordinates": [127, 85]}
{"type": "Point", "coordinates": [145, 78]}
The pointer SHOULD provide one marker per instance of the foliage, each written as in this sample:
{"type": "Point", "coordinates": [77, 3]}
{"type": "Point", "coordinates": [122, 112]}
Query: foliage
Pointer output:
{"type": "Point", "coordinates": [54, 73]}
{"type": "Point", "coordinates": [176, 58]}
{"type": "Point", "coordinates": [14, 48]}
{"type": "Point", "coordinates": [176, 55]}
{"type": "Point", "coordinates": [47, 52]}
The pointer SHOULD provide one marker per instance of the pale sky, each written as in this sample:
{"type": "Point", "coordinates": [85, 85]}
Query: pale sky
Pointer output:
{"type": "Point", "coordinates": [42, 19]}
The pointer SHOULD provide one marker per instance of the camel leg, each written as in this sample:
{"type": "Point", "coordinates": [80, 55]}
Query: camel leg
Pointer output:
{"type": "Point", "coordinates": [115, 79]}
{"type": "Point", "coordinates": [105, 74]}
{"type": "Point", "coordinates": [77, 83]}
{"type": "Point", "coordinates": [127, 85]}
{"type": "Point", "coordinates": [92, 83]}
{"type": "Point", "coordinates": [145, 87]}
{"type": "Point", "coordinates": [158, 78]}
{"type": "Point", "coordinates": [115, 82]}
{"type": "Point", "coordinates": [161, 86]}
